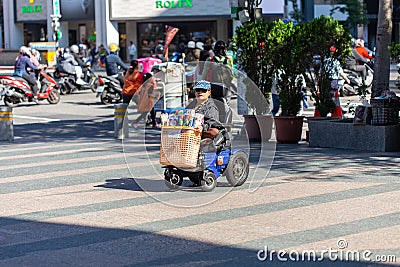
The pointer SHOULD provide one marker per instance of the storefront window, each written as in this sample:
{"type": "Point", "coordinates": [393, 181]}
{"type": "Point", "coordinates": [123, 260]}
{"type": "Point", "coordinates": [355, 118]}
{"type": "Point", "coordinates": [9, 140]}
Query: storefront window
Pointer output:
{"type": "Point", "coordinates": [152, 34]}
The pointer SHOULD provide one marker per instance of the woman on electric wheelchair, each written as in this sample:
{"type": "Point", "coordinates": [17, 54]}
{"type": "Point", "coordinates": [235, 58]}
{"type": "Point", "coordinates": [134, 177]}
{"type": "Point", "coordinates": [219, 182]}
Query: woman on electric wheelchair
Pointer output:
{"type": "Point", "coordinates": [216, 157]}
{"type": "Point", "coordinates": [205, 105]}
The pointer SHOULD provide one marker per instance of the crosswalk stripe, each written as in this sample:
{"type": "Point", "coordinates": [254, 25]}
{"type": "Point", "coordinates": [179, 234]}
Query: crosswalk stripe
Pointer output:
{"type": "Point", "coordinates": [70, 161]}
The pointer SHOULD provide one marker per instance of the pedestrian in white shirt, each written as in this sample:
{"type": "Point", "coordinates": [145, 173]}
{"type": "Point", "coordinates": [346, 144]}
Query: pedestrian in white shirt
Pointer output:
{"type": "Point", "coordinates": [132, 51]}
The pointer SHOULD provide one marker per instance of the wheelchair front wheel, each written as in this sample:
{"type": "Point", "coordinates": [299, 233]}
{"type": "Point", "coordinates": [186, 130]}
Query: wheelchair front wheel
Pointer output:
{"type": "Point", "coordinates": [237, 170]}
{"type": "Point", "coordinates": [172, 180]}
{"type": "Point", "coordinates": [209, 182]}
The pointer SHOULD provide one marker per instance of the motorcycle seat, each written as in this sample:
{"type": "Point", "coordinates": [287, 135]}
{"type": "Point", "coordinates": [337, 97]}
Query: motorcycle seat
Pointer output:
{"type": "Point", "coordinates": [19, 79]}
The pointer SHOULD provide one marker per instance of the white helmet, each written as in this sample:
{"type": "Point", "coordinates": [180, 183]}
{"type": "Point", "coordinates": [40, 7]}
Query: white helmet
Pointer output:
{"type": "Point", "coordinates": [191, 44]}
{"type": "Point", "coordinates": [200, 45]}
{"type": "Point", "coordinates": [74, 49]}
{"type": "Point", "coordinates": [25, 50]}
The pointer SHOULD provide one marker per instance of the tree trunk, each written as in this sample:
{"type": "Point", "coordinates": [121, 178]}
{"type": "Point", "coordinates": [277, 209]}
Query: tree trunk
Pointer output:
{"type": "Point", "coordinates": [383, 39]}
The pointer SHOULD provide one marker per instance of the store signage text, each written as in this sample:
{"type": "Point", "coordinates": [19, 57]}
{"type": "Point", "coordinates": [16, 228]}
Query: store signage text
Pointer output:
{"type": "Point", "coordinates": [174, 4]}
{"type": "Point", "coordinates": [32, 9]}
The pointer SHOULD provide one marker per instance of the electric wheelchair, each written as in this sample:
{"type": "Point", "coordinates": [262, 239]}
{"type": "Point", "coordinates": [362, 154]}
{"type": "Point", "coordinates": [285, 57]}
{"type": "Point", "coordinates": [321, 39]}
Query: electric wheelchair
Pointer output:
{"type": "Point", "coordinates": [216, 157]}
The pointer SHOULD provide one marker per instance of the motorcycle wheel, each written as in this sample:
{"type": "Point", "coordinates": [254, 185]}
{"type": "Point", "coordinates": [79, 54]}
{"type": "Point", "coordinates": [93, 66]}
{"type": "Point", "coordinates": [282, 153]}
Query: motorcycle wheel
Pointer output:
{"type": "Point", "coordinates": [63, 89]}
{"type": "Point", "coordinates": [56, 74]}
{"type": "Point", "coordinates": [94, 85]}
{"type": "Point", "coordinates": [70, 87]}
{"type": "Point", "coordinates": [54, 97]}
{"type": "Point", "coordinates": [106, 100]}
{"type": "Point", "coordinates": [10, 101]}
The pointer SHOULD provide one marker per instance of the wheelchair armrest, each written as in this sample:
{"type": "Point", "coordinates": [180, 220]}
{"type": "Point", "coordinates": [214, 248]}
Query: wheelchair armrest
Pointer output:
{"type": "Point", "coordinates": [227, 126]}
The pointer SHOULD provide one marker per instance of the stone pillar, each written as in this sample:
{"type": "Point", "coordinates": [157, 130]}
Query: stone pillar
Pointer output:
{"type": "Point", "coordinates": [121, 125]}
{"type": "Point", "coordinates": [6, 124]}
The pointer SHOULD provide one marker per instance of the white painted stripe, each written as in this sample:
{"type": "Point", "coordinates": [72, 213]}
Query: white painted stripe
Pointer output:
{"type": "Point", "coordinates": [37, 146]}
{"type": "Point", "coordinates": [72, 151]}
{"type": "Point", "coordinates": [36, 118]}
{"type": "Point", "coordinates": [73, 172]}
{"type": "Point", "coordinates": [70, 161]}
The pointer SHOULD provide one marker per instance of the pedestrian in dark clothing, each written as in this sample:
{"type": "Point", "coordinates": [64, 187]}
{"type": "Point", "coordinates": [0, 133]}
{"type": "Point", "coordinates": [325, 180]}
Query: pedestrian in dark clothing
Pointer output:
{"type": "Point", "coordinates": [21, 70]}
{"type": "Point", "coordinates": [113, 61]}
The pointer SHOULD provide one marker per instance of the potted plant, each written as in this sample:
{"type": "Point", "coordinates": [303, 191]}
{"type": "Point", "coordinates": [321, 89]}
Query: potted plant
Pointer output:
{"type": "Point", "coordinates": [255, 43]}
{"type": "Point", "coordinates": [316, 38]}
{"type": "Point", "coordinates": [290, 82]}
{"type": "Point", "coordinates": [258, 124]}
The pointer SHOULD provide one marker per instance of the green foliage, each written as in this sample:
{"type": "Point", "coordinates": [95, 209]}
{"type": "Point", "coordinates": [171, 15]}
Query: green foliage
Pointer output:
{"type": "Point", "coordinates": [316, 37]}
{"type": "Point", "coordinates": [256, 44]}
{"type": "Point", "coordinates": [287, 62]}
{"type": "Point", "coordinates": [269, 48]}
{"type": "Point", "coordinates": [394, 51]}
{"type": "Point", "coordinates": [355, 9]}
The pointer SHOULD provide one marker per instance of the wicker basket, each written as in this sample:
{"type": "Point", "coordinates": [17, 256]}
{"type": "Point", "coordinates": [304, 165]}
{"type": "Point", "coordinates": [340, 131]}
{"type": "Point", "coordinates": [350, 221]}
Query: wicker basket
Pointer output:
{"type": "Point", "coordinates": [179, 146]}
{"type": "Point", "coordinates": [385, 111]}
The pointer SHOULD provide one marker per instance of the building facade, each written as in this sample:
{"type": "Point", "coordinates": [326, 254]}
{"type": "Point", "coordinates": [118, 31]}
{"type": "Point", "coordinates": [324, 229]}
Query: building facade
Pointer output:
{"type": "Point", "coordinates": [120, 21]}
{"type": "Point", "coordinates": [116, 21]}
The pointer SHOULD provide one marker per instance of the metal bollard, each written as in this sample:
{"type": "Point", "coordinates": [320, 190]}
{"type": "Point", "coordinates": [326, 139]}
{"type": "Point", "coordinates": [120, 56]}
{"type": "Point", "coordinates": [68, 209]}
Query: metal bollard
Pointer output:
{"type": "Point", "coordinates": [121, 129]}
{"type": "Point", "coordinates": [6, 124]}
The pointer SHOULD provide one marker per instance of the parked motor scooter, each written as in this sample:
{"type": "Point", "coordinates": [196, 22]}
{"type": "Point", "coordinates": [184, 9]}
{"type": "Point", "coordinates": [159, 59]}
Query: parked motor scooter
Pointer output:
{"type": "Point", "coordinates": [16, 90]}
{"type": "Point", "coordinates": [109, 90]}
{"type": "Point", "coordinates": [368, 79]}
{"type": "Point", "coordinates": [67, 79]}
{"type": "Point", "coordinates": [356, 82]}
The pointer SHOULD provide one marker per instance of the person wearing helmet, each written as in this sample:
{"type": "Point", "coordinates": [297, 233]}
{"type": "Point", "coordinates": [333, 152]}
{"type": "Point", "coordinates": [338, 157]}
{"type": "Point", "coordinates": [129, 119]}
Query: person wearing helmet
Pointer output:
{"type": "Point", "coordinates": [199, 46]}
{"type": "Point", "coordinates": [159, 53]}
{"type": "Point", "coordinates": [80, 68]}
{"type": "Point", "coordinates": [35, 57]}
{"type": "Point", "coordinates": [113, 62]}
{"type": "Point", "coordinates": [218, 68]}
{"type": "Point", "coordinates": [191, 45]}
{"type": "Point", "coordinates": [190, 57]}
{"type": "Point", "coordinates": [356, 62]}
{"type": "Point", "coordinates": [362, 50]}
{"type": "Point", "coordinates": [21, 69]}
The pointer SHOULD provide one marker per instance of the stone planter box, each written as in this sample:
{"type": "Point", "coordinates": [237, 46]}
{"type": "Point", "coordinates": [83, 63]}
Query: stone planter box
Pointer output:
{"type": "Point", "coordinates": [345, 135]}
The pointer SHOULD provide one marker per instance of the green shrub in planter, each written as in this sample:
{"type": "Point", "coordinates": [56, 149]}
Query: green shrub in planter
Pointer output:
{"type": "Point", "coordinates": [315, 39]}
{"type": "Point", "coordinates": [256, 44]}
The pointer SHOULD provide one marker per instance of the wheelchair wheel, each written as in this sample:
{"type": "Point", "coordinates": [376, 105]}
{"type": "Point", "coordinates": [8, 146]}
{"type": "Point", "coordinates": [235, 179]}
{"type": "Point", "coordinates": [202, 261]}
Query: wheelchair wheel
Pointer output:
{"type": "Point", "coordinates": [172, 180]}
{"type": "Point", "coordinates": [237, 170]}
{"type": "Point", "coordinates": [209, 182]}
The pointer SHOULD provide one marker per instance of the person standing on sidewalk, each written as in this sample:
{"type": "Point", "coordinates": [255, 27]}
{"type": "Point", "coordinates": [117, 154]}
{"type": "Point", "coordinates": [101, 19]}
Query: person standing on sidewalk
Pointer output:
{"type": "Point", "coordinates": [132, 51]}
{"type": "Point", "coordinates": [132, 82]}
{"type": "Point", "coordinates": [146, 100]}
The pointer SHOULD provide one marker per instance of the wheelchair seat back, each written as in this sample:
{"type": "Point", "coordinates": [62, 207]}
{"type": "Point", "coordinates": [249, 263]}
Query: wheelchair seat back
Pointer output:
{"type": "Point", "coordinates": [219, 94]}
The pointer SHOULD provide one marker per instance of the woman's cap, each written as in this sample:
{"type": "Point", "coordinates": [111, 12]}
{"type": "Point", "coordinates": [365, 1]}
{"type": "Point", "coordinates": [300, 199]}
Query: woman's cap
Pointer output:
{"type": "Point", "coordinates": [203, 85]}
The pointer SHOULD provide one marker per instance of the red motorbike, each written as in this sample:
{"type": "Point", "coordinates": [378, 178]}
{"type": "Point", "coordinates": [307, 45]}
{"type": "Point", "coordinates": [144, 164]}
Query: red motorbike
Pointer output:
{"type": "Point", "coordinates": [15, 90]}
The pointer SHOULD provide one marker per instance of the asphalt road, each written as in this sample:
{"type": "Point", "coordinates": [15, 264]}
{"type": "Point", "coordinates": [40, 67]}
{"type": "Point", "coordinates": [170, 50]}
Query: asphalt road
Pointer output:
{"type": "Point", "coordinates": [73, 195]}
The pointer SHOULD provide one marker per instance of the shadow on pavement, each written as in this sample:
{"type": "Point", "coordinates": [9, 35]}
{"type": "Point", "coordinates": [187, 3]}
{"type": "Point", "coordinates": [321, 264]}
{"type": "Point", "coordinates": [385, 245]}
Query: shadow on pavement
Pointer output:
{"type": "Point", "coordinates": [332, 164]}
{"type": "Point", "coordinates": [58, 244]}
{"type": "Point", "coordinates": [65, 129]}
